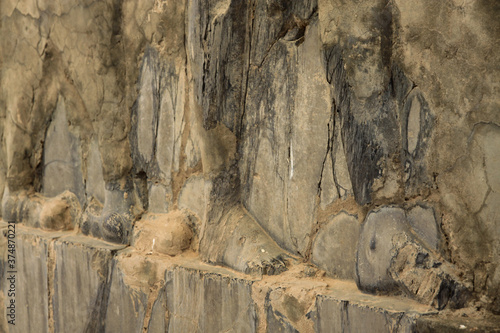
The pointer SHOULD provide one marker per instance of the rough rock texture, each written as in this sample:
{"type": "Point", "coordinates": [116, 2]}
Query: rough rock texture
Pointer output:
{"type": "Point", "coordinates": [32, 301]}
{"type": "Point", "coordinates": [85, 266]}
{"type": "Point", "coordinates": [427, 278]}
{"type": "Point", "coordinates": [114, 288]}
{"type": "Point", "coordinates": [168, 234]}
{"type": "Point", "coordinates": [362, 137]}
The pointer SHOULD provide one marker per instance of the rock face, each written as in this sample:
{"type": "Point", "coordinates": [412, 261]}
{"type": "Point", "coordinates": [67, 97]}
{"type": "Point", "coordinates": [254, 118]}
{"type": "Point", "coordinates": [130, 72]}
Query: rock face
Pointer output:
{"type": "Point", "coordinates": [114, 288]}
{"type": "Point", "coordinates": [335, 246]}
{"type": "Point", "coordinates": [362, 137]}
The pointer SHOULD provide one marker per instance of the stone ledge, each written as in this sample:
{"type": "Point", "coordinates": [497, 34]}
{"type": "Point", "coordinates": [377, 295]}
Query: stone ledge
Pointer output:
{"type": "Point", "coordinates": [69, 282]}
{"type": "Point", "coordinates": [454, 323]}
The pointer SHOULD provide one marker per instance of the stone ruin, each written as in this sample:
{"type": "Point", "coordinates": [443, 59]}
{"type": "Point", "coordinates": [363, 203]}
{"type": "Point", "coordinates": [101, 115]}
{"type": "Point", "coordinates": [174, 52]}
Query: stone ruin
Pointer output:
{"type": "Point", "coordinates": [251, 166]}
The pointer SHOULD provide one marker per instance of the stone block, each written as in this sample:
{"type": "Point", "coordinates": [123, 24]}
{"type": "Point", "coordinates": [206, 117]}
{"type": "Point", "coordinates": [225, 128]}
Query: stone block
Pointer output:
{"type": "Point", "coordinates": [171, 118]}
{"type": "Point", "coordinates": [286, 305]}
{"type": "Point", "coordinates": [194, 194]}
{"type": "Point", "coordinates": [335, 245]}
{"type": "Point", "coordinates": [95, 181]}
{"type": "Point", "coordinates": [32, 271]}
{"type": "Point", "coordinates": [137, 296]}
{"type": "Point", "coordinates": [82, 271]}
{"type": "Point", "coordinates": [286, 140]}
{"type": "Point", "coordinates": [147, 107]}
{"type": "Point", "coordinates": [374, 248]}
{"type": "Point", "coordinates": [158, 196]}
{"type": "Point", "coordinates": [32, 289]}
{"type": "Point", "coordinates": [344, 309]}
{"type": "Point", "coordinates": [276, 322]}
{"type": "Point", "coordinates": [208, 301]}
{"type": "Point", "coordinates": [422, 220]}
{"type": "Point", "coordinates": [125, 306]}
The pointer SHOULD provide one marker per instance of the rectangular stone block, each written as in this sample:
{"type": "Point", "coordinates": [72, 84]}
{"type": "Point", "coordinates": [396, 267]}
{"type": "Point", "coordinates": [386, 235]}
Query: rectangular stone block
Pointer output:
{"type": "Point", "coordinates": [208, 301]}
{"type": "Point", "coordinates": [30, 279]}
{"type": "Point", "coordinates": [137, 298]}
{"type": "Point", "coordinates": [126, 306]}
{"type": "Point", "coordinates": [156, 293]}
{"type": "Point", "coordinates": [346, 309]}
{"type": "Point", "coordinates": [81, 285]}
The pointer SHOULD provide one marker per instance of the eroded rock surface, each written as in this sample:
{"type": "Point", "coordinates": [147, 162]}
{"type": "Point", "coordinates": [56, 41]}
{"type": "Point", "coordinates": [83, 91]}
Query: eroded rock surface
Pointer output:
{"type": "Point", "coordinates": [359, 136]}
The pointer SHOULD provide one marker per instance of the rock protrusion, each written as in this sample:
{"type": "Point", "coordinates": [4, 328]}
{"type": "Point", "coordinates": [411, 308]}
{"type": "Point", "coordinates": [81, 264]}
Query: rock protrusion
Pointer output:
{"type": "Point", "coordinates": [163, 233]}
{"type": "Point", "coordinates": [61, 212]}
{"type": "Point", "coordinates": [427, 278]}
{"type": "Point", "coordinates": [398, 251]}
{"type": "Point", "coordinates": [114, 220]}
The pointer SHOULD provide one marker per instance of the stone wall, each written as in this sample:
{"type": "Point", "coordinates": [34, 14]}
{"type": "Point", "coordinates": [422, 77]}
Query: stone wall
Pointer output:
{"type": "Point", "coordinates": [162, 158]}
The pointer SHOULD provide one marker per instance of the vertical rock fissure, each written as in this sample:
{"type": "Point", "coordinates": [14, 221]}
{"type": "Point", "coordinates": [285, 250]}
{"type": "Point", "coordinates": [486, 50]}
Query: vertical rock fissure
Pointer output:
{"type": "Point", "coordinates": [152, 299]}
{"type": "Point", "coordinates": [397, 325]}
{"type": "Point", "coordinates": [251, 13]}
{"type": "Point", "coordinates": [97, 322]}
{"type": "Point", "coordinates": [51, 272]}
{"type": "Point", "coordinates": [156, 113]}
{"type": "Point", "coordinates": [344, 317]}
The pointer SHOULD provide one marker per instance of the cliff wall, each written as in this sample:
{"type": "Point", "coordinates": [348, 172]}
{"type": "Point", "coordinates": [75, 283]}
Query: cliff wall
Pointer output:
{"type": "Point", "coordinates": [145, 144]}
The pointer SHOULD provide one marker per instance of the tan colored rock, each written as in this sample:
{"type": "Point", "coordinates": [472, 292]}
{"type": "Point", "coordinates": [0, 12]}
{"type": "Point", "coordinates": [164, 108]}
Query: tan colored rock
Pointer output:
{"type": "Point", "coordinates": [258, 116]}
{"type": "Point", "coordinates": [163, 233]}
{"type": "Point", "coordinates": [60, 213]}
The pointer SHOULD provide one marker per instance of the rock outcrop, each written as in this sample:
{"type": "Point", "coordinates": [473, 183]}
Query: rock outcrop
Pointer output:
{"type": "Point", "coordinates": [270, 137]}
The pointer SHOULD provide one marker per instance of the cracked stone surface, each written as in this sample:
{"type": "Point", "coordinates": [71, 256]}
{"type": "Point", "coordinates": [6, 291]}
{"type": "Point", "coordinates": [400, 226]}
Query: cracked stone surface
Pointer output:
{"type": "Point", "coordinates": [313, 131]}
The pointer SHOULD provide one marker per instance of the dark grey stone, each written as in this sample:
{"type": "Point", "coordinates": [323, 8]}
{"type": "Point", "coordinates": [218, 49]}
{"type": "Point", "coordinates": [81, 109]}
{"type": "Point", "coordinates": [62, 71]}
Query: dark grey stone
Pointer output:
{"type": "Point", "coordinates": [337, 315]}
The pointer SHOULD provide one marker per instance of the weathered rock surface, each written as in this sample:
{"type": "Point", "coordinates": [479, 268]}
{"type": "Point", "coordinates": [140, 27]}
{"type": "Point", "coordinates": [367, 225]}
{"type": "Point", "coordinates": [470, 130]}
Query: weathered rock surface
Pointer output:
{"type": "Point", "coordinates": [82, 266]}
{"type": "Point", "coordinates": [427, 278]}
{"type": "Point", "coordinates": [401, 259]}
{"type": "Point", "coordinates": [335, 245]}
{"type": "Point", "coordinates": [375, 248]}
{"type": "Point", "coordinates": [167, 233]}
{"type": "Point", "coordinates": [62, 158]}
{"type": "Point", "coordinates": [31, 288]}
{"type": "Point", "coordinates": [423, 221]}
{"type": "Point", "coordinates": [457, 323]}
{"type": "Point", "coordinates": [335, 315]}
{"type": "Point", "coordinates": [128, 290]}
{"type": "Point", "coordinates": [359, 136]}
{"type": "Point", "coordinates": [287, 124]}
